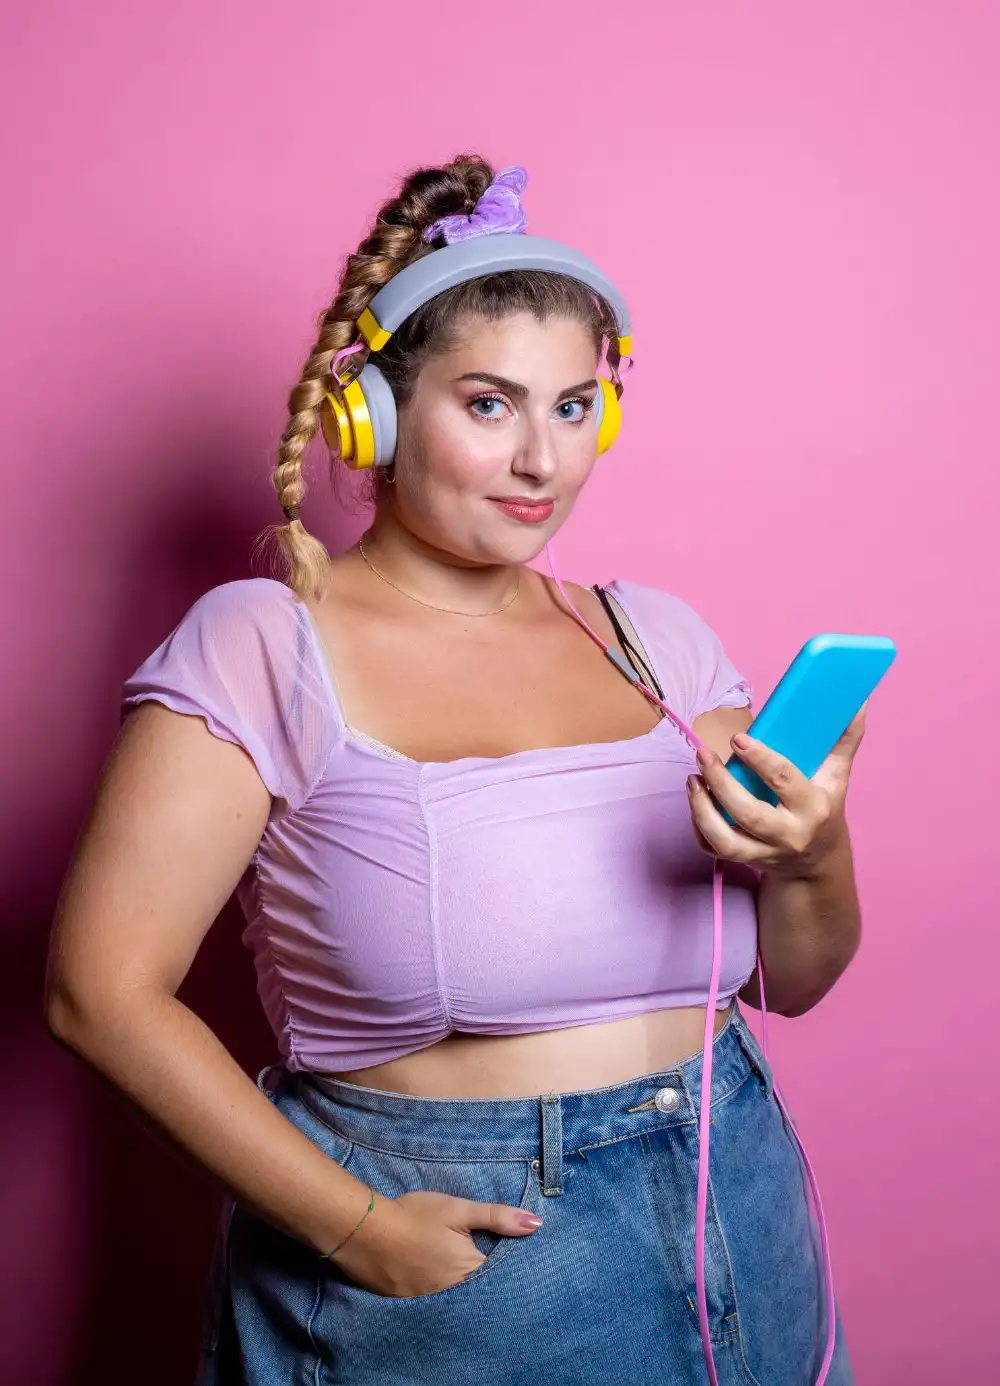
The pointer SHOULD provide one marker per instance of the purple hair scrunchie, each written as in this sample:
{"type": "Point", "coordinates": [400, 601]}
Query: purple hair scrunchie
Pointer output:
{"type": "Point", "coordinates": [499, 209]}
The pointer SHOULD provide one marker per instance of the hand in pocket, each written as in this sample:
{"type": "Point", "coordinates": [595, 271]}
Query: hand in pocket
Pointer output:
{"type": "Point", "coordinates": [419, 1243]}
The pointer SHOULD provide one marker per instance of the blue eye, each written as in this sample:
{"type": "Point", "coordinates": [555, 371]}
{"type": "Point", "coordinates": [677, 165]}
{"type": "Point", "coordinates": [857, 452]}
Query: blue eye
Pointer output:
{"type": "Point", "coordinates": [586, 405]}
{"type": "Point", "coordinates": [488, 399]}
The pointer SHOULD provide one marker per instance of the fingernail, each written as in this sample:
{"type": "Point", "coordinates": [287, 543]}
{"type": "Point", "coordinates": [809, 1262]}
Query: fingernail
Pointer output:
{"type": "Point", "coordinates": [694, 784]}
{"type": "Point", "coordinates": [741, 741]}
{"type": "Point", "coordinates": [529, 1220]}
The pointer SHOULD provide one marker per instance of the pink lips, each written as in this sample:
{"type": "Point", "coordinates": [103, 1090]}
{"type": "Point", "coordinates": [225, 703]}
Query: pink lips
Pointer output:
{"type": "Point", "coordinates": [528, 512]}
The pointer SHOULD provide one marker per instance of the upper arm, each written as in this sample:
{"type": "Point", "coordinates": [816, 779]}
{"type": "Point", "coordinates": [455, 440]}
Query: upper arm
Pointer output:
{"type": "Point", "coordinates": [175, 820]}
{"type": "Point", "coordinates": [226, 725]}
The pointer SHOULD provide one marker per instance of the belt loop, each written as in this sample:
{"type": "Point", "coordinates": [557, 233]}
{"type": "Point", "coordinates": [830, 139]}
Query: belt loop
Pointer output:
{"type": "Point", "coordinates": [551, 1172]}
{"type": "Point", "coordinates": [262, 1083]}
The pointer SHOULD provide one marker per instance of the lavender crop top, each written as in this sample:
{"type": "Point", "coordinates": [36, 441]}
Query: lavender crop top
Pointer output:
{"type": "Point", "coordinates": [392, 901]}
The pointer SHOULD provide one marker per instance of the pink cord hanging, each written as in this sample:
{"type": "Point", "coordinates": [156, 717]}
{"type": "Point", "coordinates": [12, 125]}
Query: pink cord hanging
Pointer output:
{"type": "Point", "coordinates": [704, 1114]}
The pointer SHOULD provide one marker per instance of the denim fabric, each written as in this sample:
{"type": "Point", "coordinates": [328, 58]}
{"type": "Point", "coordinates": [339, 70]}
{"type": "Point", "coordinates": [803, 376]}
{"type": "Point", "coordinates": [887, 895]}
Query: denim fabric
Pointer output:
{"type": "Point", "coordinates": [603, 1294]}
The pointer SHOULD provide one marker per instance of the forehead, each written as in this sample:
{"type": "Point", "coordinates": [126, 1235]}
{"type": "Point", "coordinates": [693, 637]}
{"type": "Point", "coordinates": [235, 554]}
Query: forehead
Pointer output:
{"type": "Point", "coordinates": [558, 341]}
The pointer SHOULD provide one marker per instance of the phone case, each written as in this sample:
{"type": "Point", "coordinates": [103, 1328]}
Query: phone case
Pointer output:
{"type": "Point", "coordinates": [814, 703]}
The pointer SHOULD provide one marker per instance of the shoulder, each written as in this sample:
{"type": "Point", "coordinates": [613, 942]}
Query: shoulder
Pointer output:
{"type": "Point", "coordinates": [244, 613]}
{"type": "Point", "coordinates": [253, 632]}
{"type": "Point", "coordinates": [245, 599]}
{"type": "Point", "coordinates": [687, 652]}
{"type": "Point", "coordinates": [660, 612]}
{"type": "Point", "coordinates": [242, 658]}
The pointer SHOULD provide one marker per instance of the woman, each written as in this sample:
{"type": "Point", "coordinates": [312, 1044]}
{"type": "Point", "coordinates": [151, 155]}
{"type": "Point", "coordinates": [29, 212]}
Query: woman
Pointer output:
{"type": "Point", "coordinates": [477, 875]}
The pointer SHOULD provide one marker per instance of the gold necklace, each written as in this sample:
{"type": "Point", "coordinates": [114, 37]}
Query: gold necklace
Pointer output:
{"type": "Point", "coordinates": [449, 610]}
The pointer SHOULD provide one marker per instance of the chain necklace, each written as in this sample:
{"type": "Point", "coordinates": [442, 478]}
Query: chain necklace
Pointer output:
{"type": "Point", "coordinates": [450, 610]}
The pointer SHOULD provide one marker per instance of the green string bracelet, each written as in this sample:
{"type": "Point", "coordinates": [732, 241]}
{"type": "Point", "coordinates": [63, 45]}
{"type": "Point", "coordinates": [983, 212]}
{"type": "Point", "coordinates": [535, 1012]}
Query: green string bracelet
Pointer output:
{"type": "Point", "coordinates": [328, 1254]}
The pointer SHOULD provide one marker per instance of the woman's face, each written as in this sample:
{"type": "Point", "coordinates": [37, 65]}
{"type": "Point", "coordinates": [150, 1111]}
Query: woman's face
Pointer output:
{"type": "Point", "coordinates": [506, 416]}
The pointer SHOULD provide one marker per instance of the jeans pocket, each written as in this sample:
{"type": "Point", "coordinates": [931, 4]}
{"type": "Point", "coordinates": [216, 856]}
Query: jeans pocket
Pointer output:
{"type": "Point", "coordinates": [772, 1241]}
{"type": "Point", "coordinates": [513, 1182]}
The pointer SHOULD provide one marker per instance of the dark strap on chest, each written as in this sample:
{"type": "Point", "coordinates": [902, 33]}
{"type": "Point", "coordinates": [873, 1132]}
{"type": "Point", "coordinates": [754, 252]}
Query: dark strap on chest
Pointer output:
{"type": "Point", "coordinates": [638, 658]}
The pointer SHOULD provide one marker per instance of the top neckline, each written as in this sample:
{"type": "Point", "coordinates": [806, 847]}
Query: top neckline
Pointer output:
{"type": "Point", "coordinates": [373, 746]}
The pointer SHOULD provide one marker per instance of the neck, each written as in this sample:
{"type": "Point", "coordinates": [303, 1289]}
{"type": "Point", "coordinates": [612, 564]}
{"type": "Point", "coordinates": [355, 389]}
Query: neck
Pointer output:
{"type": "Point", "coordinates": [435, 576]}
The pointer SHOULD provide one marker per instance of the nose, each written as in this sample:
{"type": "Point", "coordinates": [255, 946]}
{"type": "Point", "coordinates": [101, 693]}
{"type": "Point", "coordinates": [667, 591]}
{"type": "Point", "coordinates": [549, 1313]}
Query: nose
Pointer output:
{"type": "Point", "coordinates": [537, 456]}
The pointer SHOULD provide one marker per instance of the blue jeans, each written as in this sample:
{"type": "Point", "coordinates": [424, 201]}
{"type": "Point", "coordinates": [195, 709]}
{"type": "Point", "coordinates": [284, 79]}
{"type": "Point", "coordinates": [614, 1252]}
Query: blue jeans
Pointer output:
{"type": "Point", "coordinates": [603, 1294]}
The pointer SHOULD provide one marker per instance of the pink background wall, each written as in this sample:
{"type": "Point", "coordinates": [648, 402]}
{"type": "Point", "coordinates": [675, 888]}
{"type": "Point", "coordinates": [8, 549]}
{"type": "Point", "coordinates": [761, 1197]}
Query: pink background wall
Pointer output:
{"type": "Point", "coordinates": [801, 203]}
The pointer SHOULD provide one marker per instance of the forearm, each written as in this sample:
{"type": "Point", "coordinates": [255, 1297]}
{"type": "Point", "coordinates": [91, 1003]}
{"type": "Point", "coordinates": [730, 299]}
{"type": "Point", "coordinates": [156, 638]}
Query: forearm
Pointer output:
{"type": "Point", "coordinates": [809, 929]}
{"type": "Point", "coordinates": [167, 1062]}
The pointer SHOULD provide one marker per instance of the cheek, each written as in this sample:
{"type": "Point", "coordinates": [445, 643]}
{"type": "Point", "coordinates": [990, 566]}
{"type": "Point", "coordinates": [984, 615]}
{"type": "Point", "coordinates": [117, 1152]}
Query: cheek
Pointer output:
{"type": "Point", "coordinates": [580, 462]}
{"type": "Point", "coordinates": [461, 455]}
{"type": "Point", "coordinates": [444, 477]}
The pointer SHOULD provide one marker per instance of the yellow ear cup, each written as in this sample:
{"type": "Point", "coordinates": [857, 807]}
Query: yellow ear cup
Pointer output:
{"type": "Point", "coordinates": [347, 427]}
{"type": "Point", "coordinates": [336, 426]}
{"type": "Point", "coordinates": [611, 416]}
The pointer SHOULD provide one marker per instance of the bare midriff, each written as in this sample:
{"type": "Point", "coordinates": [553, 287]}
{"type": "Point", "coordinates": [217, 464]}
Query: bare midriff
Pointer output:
{"type": "Point", "coordinates": [564, 1060]}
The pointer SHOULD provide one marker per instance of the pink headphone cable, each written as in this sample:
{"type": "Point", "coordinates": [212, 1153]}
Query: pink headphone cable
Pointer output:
{"type": "Point", "coordinates": [706, 1078]}
{"type": "Point", "coordinates": [345, 351]}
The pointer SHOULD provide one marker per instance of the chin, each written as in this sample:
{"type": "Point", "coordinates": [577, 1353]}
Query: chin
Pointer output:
{"type": "Point", "coordinates": [521, 548]}
{"type": "Point", "coordinates": [500, 541]}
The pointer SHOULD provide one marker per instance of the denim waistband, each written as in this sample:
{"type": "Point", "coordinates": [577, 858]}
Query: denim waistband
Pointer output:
{"type": "Point", "coordinates": [475, 1128]}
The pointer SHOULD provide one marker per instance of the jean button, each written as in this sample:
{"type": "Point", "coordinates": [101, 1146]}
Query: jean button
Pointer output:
{"type": "Point", "coordinates": [667, 1100]}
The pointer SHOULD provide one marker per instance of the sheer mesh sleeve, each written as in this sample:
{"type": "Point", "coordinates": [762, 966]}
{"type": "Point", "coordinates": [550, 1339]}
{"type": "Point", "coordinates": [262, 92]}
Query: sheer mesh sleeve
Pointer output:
{"type": "Point", "coordinates": [688, 656]}
{"type": "Point", "coordinates": [244, 658]}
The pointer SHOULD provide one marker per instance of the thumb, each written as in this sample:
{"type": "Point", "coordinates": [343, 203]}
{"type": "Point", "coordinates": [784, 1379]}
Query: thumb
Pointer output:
{"type": "Point", "coordinates": [501, 1218]}
{"type": "Point", "coordinates": [852, 735]}
{"type": "Point", "coordinates": [856, 728]}
{"type": "Point", "coordinates": [833, 775]}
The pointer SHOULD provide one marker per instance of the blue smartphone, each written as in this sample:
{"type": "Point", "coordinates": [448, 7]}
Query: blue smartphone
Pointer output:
{"type": "Point", "coordinates": [814, 703]}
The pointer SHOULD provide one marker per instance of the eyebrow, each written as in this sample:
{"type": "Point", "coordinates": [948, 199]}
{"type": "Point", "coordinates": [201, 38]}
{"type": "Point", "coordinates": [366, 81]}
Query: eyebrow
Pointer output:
{"type": "Point", "coordinates": [522, 391]}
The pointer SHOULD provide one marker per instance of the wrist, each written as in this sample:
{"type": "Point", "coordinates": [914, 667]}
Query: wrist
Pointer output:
{"type": "Point", "coordinates": [347, 1219]}
{"type": "Point", "coordinates": [825, 862]}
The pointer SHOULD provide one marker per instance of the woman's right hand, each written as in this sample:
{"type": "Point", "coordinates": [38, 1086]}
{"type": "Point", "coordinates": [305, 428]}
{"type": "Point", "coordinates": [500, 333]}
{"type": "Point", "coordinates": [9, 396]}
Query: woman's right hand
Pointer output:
{"type": "Point", "coordinates": [422, 1242]}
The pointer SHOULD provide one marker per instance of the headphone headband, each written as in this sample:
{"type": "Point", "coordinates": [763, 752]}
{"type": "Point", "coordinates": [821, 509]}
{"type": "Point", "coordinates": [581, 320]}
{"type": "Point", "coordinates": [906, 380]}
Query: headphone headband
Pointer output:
{"type": "Point", "coordinates": [453, 264]}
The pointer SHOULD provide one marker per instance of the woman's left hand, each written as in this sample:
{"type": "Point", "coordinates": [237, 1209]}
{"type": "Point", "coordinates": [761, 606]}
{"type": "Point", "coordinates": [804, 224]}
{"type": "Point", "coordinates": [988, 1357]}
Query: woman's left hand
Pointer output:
{"type": "Point", "coordinates": [793, 837]}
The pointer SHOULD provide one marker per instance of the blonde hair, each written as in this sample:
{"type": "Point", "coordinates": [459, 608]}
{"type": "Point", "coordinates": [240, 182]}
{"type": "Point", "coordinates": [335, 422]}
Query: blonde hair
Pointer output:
{"type": "Point", "coordinates": [395, 240]}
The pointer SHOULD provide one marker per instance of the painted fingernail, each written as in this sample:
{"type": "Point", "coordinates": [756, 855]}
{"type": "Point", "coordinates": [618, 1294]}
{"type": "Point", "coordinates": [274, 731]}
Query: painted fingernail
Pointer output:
{"type": "Point", "coordinates": [529, 1220]}
{"type": "Point", "coordinates": [741, 741]}
{"type": "Point", "coordinates": [694, 784]}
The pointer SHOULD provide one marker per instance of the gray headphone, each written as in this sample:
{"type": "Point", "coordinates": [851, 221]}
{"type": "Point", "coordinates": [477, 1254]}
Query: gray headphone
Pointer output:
{"type": "Point", "coordinates": [364, 411]}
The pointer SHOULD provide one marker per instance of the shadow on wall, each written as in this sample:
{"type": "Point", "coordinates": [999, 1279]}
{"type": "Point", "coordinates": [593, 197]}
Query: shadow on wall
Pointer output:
{"type": "Point", "coordinates": [155, 1218]}
{"type": "Point", "coordinates": [113, 1232]}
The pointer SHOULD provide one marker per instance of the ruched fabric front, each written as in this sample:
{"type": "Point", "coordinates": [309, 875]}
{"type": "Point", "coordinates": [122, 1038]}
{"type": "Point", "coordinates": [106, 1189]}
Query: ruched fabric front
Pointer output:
{"type": "Point", "coordinates": [391, 901]}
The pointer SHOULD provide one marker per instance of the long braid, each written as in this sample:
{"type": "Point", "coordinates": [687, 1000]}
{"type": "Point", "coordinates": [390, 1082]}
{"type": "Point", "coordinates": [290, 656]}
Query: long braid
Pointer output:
{"type": "Point", "coordinates": [395, 240]}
